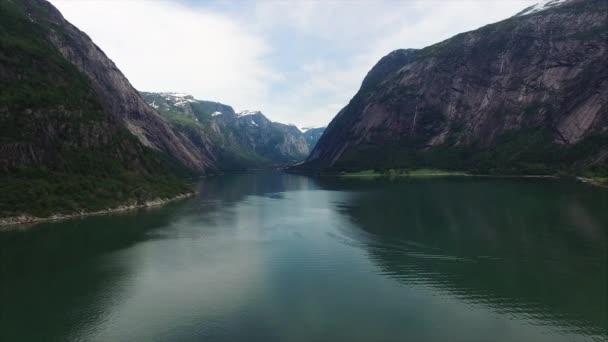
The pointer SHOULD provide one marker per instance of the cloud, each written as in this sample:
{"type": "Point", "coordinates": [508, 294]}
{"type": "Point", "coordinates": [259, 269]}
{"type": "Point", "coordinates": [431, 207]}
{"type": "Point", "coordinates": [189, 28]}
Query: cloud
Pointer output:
{"type": "Point", "coordinates": [166, 46]}
{"type": "Point", "coordinates": [366, 31]}
{"type": "Point", "coordinates": [298, 62]}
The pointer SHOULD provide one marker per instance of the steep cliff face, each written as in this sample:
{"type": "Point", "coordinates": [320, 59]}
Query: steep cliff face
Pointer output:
{"type": "Point", "coordinates": [238, 140]}
{"type": "Point", "coordinates": [114, 92]}
{"type": "Point", "coordinates": [527, 94]}
{"type": "Point", "coordinates": [74, 135]}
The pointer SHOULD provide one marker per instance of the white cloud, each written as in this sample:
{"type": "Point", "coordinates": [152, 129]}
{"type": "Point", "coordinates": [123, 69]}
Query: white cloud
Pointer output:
{"type": "Point", "coordinates": [371, 30]}
{"type": "Point", "coordinates": [165, 46]}
{"type": "Point", "coordinates": [298, 62]}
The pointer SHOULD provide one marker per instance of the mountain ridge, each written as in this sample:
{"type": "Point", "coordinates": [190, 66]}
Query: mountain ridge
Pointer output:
{"type": "Point", "coordinates": [523, 95]}
{"type": "Point", "coordinates": [243, 140]}
{"type": "Point", "coordinates": [117, 94]}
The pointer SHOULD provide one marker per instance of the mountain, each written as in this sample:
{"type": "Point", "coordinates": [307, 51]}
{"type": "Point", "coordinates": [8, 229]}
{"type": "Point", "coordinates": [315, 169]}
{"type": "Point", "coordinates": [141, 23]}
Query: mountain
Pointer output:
{"type": "Point", "coordinates": [280, 143]}
{"type": "Point", "coordinates": [312, 135]}
{"type": "Point", "coordinates": [238, 140]}
{"type": "Point", "coordinates": [74, 134]}
{"type": "Point", "coordinates": [524, 95]}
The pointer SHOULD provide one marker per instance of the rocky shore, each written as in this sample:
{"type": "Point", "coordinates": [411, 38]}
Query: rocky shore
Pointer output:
{"type": "Point", "coordinates": [21, 219]}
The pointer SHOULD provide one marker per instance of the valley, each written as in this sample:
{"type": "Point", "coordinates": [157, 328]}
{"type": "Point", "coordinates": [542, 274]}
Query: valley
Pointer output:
{"type": "Point", "coordinates": [458, 193]}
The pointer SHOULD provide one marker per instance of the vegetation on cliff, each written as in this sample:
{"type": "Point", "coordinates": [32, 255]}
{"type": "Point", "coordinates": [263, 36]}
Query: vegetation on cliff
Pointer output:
{"type": "Point", "coordinates": [61, 151]}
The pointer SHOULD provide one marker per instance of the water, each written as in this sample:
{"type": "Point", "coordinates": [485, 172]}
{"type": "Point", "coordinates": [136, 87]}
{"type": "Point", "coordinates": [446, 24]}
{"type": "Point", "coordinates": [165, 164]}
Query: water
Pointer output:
{"type": "Point", "coordinates": [275, 257]}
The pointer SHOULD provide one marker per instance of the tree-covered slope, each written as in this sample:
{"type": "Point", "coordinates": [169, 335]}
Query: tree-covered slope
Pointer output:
{"type": "Point", "coordinates": [63, 149]}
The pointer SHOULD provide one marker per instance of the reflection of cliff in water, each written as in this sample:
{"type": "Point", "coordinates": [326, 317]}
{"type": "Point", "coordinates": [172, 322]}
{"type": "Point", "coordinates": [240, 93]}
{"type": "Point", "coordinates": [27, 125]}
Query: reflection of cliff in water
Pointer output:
{"type": "Point", "coordinates": [531, 248]}
{"type": "Point", "coordinates": [50, 273]}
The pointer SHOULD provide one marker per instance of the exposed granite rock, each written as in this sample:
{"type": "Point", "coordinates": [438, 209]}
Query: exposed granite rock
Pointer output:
{"type": "Point", "coordinates": [115, 92]}
{"type": "Point", "coordinates": [544, 71]}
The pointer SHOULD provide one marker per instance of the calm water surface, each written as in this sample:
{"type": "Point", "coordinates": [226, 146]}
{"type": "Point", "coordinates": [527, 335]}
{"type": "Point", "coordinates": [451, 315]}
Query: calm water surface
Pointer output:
{"type": "Point", "coordinates": [276, 257]}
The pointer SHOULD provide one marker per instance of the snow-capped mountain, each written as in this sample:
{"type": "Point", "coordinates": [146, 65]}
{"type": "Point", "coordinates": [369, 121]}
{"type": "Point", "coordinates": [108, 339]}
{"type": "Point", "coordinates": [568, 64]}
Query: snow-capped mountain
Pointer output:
{"type": "Point", "coordinates": [240, 140]}
{"type": "Point", "coordinates": [248, 112]}
{"type": "Point", "coordinates": [541, 6]}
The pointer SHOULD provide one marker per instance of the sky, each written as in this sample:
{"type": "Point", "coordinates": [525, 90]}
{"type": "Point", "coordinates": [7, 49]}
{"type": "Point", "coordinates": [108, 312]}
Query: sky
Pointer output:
{"type": "Point", "coordinates": [298, 62]}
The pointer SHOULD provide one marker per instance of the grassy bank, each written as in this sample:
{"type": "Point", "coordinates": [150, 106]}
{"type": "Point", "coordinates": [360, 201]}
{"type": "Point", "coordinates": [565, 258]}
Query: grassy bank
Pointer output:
{"type": "Point", "coordinates": [396, 173]}
{"type": "Point", "coordinates": [601, 180]}
{"type": "Point", "coordinates": [402, 173]}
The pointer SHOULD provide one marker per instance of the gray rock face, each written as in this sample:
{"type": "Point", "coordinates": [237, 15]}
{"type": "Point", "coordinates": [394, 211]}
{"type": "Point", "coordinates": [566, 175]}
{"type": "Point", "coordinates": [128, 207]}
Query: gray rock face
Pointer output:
{"type": "Point", "coordinates": [116, 94]}
{"type": "Point", "coordinates": [75, 137]}
{"type": "Point", "coordinates": [543, 71]}
{"type": "Point", "coordinates": [312, 136]}
{"type": "Point", "coordinates": [275, 141]}
{"type": "Point", "coordinates": [239, 140]}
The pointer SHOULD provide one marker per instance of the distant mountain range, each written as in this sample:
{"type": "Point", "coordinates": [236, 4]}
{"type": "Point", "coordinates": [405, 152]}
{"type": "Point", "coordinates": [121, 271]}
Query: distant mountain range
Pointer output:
{"type": "Point", "coordinates": [312, 135]}
{"type": "Point", "coordinates": [527, 95]}
{"type": "Point", "coordinates": [238, 140]}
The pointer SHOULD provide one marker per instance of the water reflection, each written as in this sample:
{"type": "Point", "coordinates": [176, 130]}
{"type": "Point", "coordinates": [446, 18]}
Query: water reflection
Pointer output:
{"type": "Point", "coordinates": [532, 249]}
{"type": "Point", "coordinates": [275, 257]}
{"type": "Point", "coordinates": [51, 278]}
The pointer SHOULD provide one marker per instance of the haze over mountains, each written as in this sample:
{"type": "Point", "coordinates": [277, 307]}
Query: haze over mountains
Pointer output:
{"type": "Point", "coordinates": [526, 95]}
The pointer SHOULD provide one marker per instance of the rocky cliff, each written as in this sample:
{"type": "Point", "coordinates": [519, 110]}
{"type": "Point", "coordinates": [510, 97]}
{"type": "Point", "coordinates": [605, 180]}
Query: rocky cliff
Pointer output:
{"type": "Point", "coordinates": [74, 134]}
{"type": "Point", "coordinates": [524, 95]}
{"type": "Point", "coordinates": [112, 89]}
{"type": "Point", "coordinates": [238, 140]}
{"type": "Point", "coordinates": [312, 135]}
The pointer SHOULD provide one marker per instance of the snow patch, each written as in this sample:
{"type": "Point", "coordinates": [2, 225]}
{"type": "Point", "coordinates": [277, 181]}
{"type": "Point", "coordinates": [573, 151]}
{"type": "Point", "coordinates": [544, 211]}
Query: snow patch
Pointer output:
{"type": "Point", "coordinates": [183, 102]}
{"type": "Point", "coordinates": [541, 6]}
{"type": "Point", "coordinates": [253, 123]}
{"type": "Point", "coordinates": [216, 113]}
{"type": "Point", "coordinates": [248, 112]}
{"type": "Point", "coordinates": [175, 94]}
{"type": "Point", "coordinates": [179, 99]}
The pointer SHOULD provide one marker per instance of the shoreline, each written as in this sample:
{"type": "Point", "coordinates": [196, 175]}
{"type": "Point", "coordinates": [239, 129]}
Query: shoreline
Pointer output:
{"type": "Point", "coordinates": [27, 219]}
{"type": "Point", "coordinates": [434, 173]}
{"type": "Point", "coordinates": [592, 182]}
{"type": "Point", "coordinates": [441, 173]}
{"type": "Point", "coordinates": [585, 180]}
{"type": "Point", "coordinates": [24, 219]}
{"type": "Point", "coordinates": [431, 175]}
